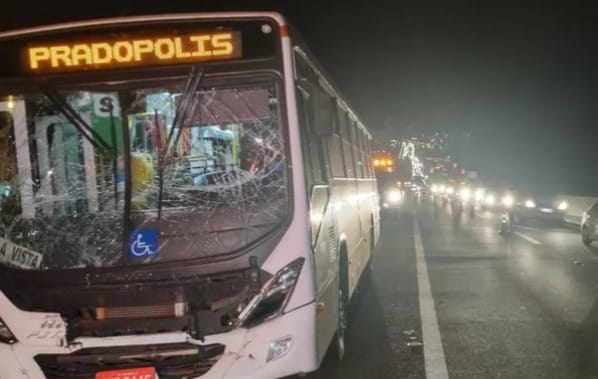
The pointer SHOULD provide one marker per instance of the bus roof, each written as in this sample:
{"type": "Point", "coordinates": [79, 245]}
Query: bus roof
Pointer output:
{"type": "Point", "coordinates": [140, 19]}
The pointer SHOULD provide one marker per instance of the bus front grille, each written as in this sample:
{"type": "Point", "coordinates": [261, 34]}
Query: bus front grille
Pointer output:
{"type": "Point", "coordinates": [171, 361]}
{"type": "Point", "coordinates": [153, 311]}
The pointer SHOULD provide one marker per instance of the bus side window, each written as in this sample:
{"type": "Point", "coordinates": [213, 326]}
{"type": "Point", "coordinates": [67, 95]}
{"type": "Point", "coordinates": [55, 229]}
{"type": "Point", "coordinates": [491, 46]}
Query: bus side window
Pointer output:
{"type": "Point", "coordinates": [335, 147]}
{"type": "Point", "coordinates": [325, 111]}
{"type": "Point", "coordinates": [368, 151]}
{"type": "Point", "coordinates": [356, 139]}
{"type": "Point", "coordinates": [363, 160]}
{"type": "Point", "coordinates": [347, 145]}
{"type": "Point", "coordinates": [314, 165]}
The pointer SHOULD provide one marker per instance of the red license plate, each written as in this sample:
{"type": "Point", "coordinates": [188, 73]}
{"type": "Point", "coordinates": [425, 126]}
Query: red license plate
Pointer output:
{"type": "Point", "coordinates": [129, 373]}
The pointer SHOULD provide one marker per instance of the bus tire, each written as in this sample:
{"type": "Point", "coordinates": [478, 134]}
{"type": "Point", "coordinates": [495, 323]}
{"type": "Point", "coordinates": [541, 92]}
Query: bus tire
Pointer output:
{"type": "Point", "coordinates": [339, 341]}
{"type": "Point", "coordinates": [585, 236]}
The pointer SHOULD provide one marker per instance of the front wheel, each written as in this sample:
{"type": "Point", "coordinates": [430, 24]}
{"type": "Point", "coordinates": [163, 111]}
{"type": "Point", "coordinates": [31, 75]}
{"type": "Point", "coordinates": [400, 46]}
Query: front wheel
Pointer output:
{"type": "Point", "coordinates": [585, 236]}
{"type": "Point", "coordinates": [338, 344]}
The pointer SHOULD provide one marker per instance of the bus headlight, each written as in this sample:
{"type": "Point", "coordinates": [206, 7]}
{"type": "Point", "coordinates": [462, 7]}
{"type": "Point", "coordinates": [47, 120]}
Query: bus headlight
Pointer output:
{"type": "Point", "coordinates": [279, 348]}
{"type": "Point", "coordinates": [563, 206]}
{"type": "Point", "coordinates": [6, 335]}
{"type": "Point", "coordinates": [273, 296]}
{"type": "Point", "coordinates": [530, 204]}
{"type": "Point", "coordinates": [394, 196]}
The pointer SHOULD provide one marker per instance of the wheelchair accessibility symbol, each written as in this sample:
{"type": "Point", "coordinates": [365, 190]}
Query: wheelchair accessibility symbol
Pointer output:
{"type": "Point", "coordinates": [143, 243]}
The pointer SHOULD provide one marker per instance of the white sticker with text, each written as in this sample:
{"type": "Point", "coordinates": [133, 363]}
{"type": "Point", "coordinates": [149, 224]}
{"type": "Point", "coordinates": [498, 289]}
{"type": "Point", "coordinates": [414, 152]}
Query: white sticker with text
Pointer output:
{"type": "Point", "coordinates": [19, 256]}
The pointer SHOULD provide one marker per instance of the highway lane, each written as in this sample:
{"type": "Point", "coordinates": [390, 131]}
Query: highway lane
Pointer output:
{"type": "Point", "coordinates": [507, 307]}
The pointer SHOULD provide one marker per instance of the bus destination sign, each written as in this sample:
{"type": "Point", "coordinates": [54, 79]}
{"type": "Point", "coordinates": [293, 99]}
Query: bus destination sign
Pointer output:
{"type": "Point", "coordinates": [140, 51]}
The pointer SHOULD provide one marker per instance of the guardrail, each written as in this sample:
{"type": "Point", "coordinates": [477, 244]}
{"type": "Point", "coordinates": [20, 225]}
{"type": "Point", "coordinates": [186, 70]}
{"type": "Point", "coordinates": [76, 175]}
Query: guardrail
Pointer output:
{"type": "Point", "coordinates": [577, 205]}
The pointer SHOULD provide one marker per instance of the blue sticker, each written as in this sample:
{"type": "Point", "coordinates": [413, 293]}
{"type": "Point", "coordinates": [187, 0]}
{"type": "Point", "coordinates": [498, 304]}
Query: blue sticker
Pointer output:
{"type": "Point", "coordinates": [143, 243]}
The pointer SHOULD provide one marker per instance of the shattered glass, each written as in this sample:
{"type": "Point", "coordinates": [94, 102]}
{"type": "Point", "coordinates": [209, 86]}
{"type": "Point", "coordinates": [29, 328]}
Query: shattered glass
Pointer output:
{"type": "Point", "coordinates": [209, 177]}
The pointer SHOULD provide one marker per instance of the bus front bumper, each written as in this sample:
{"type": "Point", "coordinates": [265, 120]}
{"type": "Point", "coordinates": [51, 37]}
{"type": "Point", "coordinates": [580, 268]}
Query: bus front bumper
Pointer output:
{"type": "Point", "coordinates": [247, 353]}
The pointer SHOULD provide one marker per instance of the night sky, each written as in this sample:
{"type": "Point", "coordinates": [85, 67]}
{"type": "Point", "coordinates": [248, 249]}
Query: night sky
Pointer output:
{"type": "Point", "coordinates": [520, 78]}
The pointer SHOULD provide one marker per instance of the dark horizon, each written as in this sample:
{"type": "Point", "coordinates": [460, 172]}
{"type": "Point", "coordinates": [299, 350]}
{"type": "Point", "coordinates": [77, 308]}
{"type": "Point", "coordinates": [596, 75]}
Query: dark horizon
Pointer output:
{"type": "Point", "coordinates": [521, 78]}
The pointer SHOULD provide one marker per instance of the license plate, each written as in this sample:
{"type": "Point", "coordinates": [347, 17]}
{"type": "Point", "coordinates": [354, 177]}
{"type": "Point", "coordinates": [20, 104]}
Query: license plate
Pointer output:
{"type": "Point", "coordinates": [129, 373]}
{"type": "Point", "coordinates": [546, 210]}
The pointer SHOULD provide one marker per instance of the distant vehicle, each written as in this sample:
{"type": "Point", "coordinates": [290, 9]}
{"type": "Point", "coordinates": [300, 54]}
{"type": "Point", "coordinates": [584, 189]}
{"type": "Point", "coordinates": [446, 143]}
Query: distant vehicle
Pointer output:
{"type": "Point", "coordinates": [424, 193]}
{"type": "Point", "coordinates": [390, 187]}
{"type": "Point", "coordinates": [538, 207]}
{"type": "Point", "coordinates": [589, 225]}
{"type": "Point", "coordinates": [391, 191]}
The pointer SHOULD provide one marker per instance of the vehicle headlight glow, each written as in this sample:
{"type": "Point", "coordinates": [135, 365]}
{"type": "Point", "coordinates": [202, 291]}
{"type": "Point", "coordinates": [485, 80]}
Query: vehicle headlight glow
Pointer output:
{"type": "Point", "coordinates": [272, 299]}
{"type": "Point", "coordinates": [479, 194]}
{"type": "Point", "coordinates": [490, 200]}
{"type": "Point", "coordinates": [465, 194]}
{"type": "Point", "coordinates": [508, 201]}
{"type": "Point", "coordinates": [563, 205]}
{"type": "Point", "coordinates": [530, 204]}
{"type": "Point", "coordinates": [394, 196]}
{"type": "Point", "coordinates": [434, 188]}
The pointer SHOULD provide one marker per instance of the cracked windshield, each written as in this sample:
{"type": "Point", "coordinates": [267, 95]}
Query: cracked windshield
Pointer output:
{"type": "Point", "coordinates": [205, 164]}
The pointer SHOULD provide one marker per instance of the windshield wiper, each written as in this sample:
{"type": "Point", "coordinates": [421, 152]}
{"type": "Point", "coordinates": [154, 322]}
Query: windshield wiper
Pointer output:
{"type": "Point", "coordinates": [182, 114]}
{"type": "Point", "coordinates": [87, 131]}
{"type": "Point", "coordinates": [78, 122]}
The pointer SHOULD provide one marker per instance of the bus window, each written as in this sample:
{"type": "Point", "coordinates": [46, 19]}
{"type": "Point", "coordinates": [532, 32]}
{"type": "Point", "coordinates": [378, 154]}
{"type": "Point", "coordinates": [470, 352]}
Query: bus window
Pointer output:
{"type": "Point", "coordinates": [363, 158]}
{"type": "Point", "coordinates": [312, 169]}
{"type": "Point", "coordinates": [335, 149]}
{"type": "Point", "coordinates": [229, 139]}
{"type": "Point", "coordinates": [348, 147]}
{"type": "Point", "coordinates": [355, 134]}
{"type": "Point", "coordinates": [67, 173]}
{"type": "Point", "coordinates": [368, 152]}
{"type": "Point", "coordinates": [9, 201]}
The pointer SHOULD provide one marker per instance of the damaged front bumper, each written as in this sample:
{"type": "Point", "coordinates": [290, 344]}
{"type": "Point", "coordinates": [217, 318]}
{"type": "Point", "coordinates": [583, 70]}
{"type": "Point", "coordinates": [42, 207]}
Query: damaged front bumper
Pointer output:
{"type": "Point", "coordinates": [282, 346]}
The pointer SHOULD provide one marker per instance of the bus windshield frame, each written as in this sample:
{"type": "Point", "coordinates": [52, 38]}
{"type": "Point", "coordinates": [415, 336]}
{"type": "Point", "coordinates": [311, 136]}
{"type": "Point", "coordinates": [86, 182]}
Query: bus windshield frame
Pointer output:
{"type": "Point", "coordinates": [211, 76]}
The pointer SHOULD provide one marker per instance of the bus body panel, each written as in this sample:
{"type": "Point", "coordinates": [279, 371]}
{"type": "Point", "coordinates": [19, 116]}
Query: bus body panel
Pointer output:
{"type": "Point", "coordinates": [343, 212]}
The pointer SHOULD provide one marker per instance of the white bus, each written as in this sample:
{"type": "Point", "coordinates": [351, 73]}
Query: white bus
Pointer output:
{"type": "Point", "coordinates": [181, 196]}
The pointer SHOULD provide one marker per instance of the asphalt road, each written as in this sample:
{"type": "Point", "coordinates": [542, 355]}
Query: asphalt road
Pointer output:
{"type": "Point", "coordinates": [523, 306]}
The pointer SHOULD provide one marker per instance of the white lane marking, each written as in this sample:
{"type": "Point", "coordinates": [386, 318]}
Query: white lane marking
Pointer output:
{"type": "Point", "coordinates": [528, 238]}
{"type": "Point", "coordinates": [435, 363]}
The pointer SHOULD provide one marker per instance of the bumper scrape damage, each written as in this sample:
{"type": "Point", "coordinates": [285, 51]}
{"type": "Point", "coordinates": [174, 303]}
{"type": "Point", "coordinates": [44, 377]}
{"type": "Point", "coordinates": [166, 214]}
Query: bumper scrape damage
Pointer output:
{"type": "Point", "coordinates": [263, 343]}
